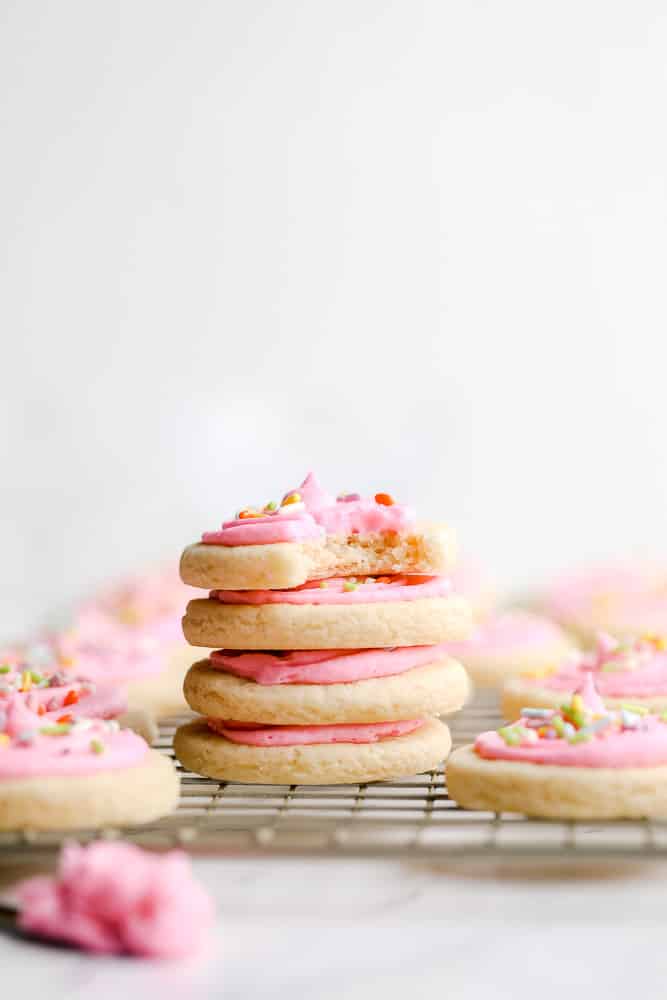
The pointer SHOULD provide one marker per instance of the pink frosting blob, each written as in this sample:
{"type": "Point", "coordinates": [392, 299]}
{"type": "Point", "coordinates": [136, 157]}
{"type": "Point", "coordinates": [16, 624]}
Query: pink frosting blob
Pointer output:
{"type": "Point", "coordinates": [51, 693]}
{"type": "Point", "coordinates": [628, 748]}
{"type": "Point", "coordinates": [316, 515]}
{"type": "Point", "coordinates": [254, 735]}
{"type": "Point", "coordinates": [332, 666]}
{"type": "Point", "coordinates": [644, 745]}
{"type": "Point", "coordinates": [114, 898]}
{"type": "Point", "coordinates": [336, 590]}
{"type": "Point", "coordinates": [508, 632]}
{"type": "Point", "coordinates": [32, 746]}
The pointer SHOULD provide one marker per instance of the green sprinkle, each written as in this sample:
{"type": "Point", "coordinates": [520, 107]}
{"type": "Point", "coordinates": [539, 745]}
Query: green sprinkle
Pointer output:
{"type": "Point", "coordinates": [510, 735]}
{"type": "Point", "coordinates": [558, 725]}
{"type": "Point", "coordinates": [5, 668]}
{"type": "Point", "coordinates": [97, 746]}
{"type": "Point", "coordinates": [57, 729]}
{"type": "Point", "coordinates": [583, 736]}
{"type": "Point", "coordinates": [350, 585]}
{"type": "Point", "coordinates": [637, 709]}
{"type": "Point", "coordinates": [323, 584]}
{"type": "Point", "coordinates": [663, 717]}
{"type": "Point", "coordinates": [36, 678]}
{"type": "Point", "coordinates": [271, 506]}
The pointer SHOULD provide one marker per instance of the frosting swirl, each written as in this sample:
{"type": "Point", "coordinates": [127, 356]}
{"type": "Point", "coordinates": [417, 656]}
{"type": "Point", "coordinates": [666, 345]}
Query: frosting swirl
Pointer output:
{"type": "Point", "coordinates": [308, 513]}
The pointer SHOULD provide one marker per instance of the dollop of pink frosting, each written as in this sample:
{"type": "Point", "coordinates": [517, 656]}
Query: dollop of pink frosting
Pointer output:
{"type": "Point", "coordinates": [339, 590]}
{"type": "Point", "coordinates": [51, 693]}
{"type": "Point", "coordinates": [508, 632]}
{"type": "Point", "coordinates": [625, 739]}
{"type": "Point", "coordinates": [331, 666]}
{"type": "Point", "coordinates": [33, 746]}
{"type": "Point", "coordinates": [317, 514]}
{"type": "Point", "coordinates": [256, 735]}
{"type": "Point", "coordinates": [114, 898]}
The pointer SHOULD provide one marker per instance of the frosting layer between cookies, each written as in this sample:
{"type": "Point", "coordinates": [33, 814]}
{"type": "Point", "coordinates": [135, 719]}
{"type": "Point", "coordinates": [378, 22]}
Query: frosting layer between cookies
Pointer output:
{"type": "Point", "coordinates": [344, 590]}
{"type": "Point", "coordinates": [309, 512]}
{"type": "Point", "coordinates": [333, 666]}
{"type": "Point", "coordinates": [250, 734]}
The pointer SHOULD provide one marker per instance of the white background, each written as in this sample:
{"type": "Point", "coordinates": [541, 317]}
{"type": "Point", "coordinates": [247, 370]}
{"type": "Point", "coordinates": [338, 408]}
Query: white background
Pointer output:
{"type": "Point", "coordinates": [418, 246]}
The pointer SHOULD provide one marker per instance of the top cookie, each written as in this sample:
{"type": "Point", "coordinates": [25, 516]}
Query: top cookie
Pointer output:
{"type": "Point", "coordinates": [310, 536]}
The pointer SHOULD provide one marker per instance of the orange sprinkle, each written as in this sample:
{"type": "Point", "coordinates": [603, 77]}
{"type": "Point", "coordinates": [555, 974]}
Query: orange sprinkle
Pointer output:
{"type": "Point", "coordinates": [291, 498]}
{"type": "Point", "coordinates": [71, 698]}
{"type": "Point", "coordinates": [383, 579]}
{"type": "Point", "coordinates": [41, 710]}
{"type": "Point", "coordinates": [65, 718]}
{"type": "Point", "coordinates": [386, 499]}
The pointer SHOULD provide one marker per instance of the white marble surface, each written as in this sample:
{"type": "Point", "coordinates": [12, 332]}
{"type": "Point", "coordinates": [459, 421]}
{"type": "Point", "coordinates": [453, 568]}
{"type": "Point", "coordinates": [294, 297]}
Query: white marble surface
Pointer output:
{"type": "Point", "coordinates": [365, 929]}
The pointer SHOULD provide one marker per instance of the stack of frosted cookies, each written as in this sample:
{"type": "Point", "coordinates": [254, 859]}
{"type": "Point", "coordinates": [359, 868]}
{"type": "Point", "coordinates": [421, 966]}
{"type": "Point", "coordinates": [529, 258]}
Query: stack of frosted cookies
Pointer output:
{"type": "Point", "coordinates": [328, 618]}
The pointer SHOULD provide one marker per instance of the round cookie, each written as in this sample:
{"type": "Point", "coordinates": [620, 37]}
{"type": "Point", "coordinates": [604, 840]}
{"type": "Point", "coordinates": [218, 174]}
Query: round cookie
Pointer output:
{"type": "Point", "coordinates": [626, 600]}
{"type": "Point", "coordinates": [510, 643]}
{"type": "Point", "coordinates": [437, 688]}
{"type": "Point", "coordinates": [632, 673]}
{"type": "Point", "coordinates": [202, 751]}
{"type": "Point", "coordinates": [556, 792]}
{"type": "Point", "coordinates": [337, 614]}
{"type": "Point", "coordinates": [126, 796]}
{"type": "Point", "coordinates": [311, 535]}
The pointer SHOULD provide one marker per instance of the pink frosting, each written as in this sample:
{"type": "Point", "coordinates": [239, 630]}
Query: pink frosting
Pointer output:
{"type": "Point", "coordinates": [630, 597]}
{"type": "Point", "coordinates": [508, 632]}
{"type": "Point", "coordinates": [114, 898]}
{"type": "Point", "coordinates": [255, 735]}
{"type": "Point", "coordinates": [31, 746]}
{"type": "Point", "coordinates": [627, 748]}
{"type": "Point", "coordinates": [46, 691]}
{"type": "Point", "coordinates": [641, 741]}
{"type": "Point", "coordinates": [336, 590]}
{"type": "Point", "coordinates": [316, 515]}
{"type": "Point", "coordinates": [637, 670]}
{"type": "Point", "coordinates": [332, 666]}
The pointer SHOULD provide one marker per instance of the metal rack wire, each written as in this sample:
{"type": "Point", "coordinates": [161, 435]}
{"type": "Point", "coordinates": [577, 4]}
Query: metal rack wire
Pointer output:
{"type": "Point", "coordinates": [410, 817]}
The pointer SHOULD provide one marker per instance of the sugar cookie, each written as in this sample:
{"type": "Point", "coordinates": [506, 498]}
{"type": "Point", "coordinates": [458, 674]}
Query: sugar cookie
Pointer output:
{"type": "Point", "coordinates": [625, 673]}
{"type": "Point", "coordinates": [436, 687]}
{"type": "Point", "coordinates": [509, 643]}
{"type": "Point", "coordinates": [581, 762]}
{"type": "Point", "coordinates": [310, 535]}
{"type": "Point", "coordinates": [389, 611]}
{"type": "Point", "coordinates": [419, 749]}
{"type": "Point", "coordinates": [84, 774]}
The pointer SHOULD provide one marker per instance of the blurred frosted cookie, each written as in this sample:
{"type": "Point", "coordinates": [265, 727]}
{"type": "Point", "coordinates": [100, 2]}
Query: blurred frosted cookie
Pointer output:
{"type": "Point", "coordinates": [582, 761]}
{"type": "Point", "coordinates": [311, 535]}
{"type": "Point", "coordinates": [325, 688]}
{"type": "Point", "coordinates": [510, 643]}
{"type": "Point", "coordinates": [312, 755]}
{"type": "Point", "coordinates": [631, 674]}
{"type": "Point", "coordinates": [471, 580]}
{"type": "Point", "coordinates": [131, 636]}
{"type": "Point", "coordinates": [332, 614]}
{"type": "Point", "coordinates": [83, 774]}
{"type": "Point", "coordinates": [624, 599]}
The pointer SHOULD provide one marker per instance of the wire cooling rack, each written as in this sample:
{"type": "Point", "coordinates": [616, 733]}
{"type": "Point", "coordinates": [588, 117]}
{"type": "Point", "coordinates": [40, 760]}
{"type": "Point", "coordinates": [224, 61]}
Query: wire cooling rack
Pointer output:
{"type": "Point", "coordinates": [411, 817]}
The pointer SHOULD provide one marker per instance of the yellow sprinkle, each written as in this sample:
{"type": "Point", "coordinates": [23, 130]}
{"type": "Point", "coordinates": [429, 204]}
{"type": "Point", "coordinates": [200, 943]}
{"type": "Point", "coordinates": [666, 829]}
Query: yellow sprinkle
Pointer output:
{"type": "Point", "coordinates": [26, 680]}
{"type": "Point", "coordinates": [4, 740]}
{"type": "Point", "coordinates": [291, 498]}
